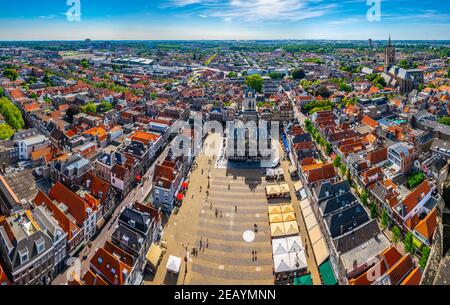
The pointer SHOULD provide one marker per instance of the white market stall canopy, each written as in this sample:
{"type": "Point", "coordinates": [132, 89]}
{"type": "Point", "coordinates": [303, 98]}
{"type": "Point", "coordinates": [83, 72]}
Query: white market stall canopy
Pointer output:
{"type": "Point", "coordinates": [279, 246]}
{"type": "Point", "coordinates": [298, 260]}
{"type": "Point", "coordinates": [294, 244]}
{"type": "Point", "coordinates": [282, 263]}
{"type": "Point", "coordinates": [173, 264]}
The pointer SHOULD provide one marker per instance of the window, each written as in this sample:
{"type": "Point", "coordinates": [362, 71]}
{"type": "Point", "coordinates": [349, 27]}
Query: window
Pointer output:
{"type": "Point", "coordinates": [100, 260]}
{"type": "Point", "coordinates": [23, 255]}
{"type": "Point", "coordinates": [40, 245]}
{"type": "Point", "coordinates": [113, 271]}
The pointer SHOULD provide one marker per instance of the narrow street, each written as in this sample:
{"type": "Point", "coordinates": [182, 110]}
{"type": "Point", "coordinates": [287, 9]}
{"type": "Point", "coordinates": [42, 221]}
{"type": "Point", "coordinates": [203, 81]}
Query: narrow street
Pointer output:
{"type": "Point", "coordinates": [137, 194]}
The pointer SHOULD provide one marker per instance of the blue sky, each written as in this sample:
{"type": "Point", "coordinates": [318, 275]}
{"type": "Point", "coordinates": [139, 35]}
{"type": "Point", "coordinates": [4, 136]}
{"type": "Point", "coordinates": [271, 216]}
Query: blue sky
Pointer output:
{"type": "Point", "coordinates": [223, 19]}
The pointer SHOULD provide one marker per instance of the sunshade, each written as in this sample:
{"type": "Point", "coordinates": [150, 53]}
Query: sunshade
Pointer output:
{"type": "Point", "coordinates": [279, 246]}
{"type": "Point", "coordinates": [289, 217]}
{"type": "Point", "coordinates": [154, 254]}
{"type": "Point", "coordinates": [275, 218]}
{"type": "Point", "coordinates": [291, 227]}
{"type": "Point", "coordinates": [173, 264]}
{"type": "Point", "coordinates": [277, 229]}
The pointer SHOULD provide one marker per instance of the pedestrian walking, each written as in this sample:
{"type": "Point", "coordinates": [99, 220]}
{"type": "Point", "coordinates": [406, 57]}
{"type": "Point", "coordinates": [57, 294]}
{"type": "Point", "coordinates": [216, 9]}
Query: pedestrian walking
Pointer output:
{"type": "Point", "coordinates": [235, 208]}
{"type": "Point", "coordinates": [220, 214]}
{"type": "Point", "coordinates": [210, 206]}
{"type": "Point", "coordinates": [207, 243]}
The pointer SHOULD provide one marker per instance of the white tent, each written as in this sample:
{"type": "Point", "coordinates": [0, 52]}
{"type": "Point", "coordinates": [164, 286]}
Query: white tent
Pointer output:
{"type": "Point", "coordinates": [173, 264]}
{"type": "Point", "coordinates": [294, 243]}
{"type": "Point", "coordinates": [298, 260]}
{"type": "Point", "coordinates": [282, 263]}
{"type": "Point", "coordinates": [279, 246]}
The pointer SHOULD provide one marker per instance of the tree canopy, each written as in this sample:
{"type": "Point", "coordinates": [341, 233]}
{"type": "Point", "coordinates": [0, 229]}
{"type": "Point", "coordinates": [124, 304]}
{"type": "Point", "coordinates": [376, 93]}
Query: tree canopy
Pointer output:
{"type": "Point", "coordinates": [11, 74]}
{"type": "Point", "coordinates": [89, 107]}
{"type": "Point", "coordinates": [6, 131]}
{"type": "Point", "coordinates": [298, 74]}
{"type": "Point", "coordinates": [11, 113]}
{"type": "Point", "coordinates": [255, 82]}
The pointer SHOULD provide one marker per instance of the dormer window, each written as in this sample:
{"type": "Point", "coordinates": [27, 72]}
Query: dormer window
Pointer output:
{"type": "Point", "coordinates": [125, 239]}
{"type": "Point", "coordinates": [113, 271]}
{"type": "Point", "coordinates": [100, 260]}
{"type": "Point", "coordinates": [40, 245]}
{"type": "Point", "coordinates": [23, 255]}
{"type": "Point", "coordinates": [132, 223]}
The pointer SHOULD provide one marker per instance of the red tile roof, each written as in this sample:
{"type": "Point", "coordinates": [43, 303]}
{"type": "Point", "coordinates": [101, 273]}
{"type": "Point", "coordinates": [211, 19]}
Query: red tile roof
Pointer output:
{"type": "Point", "coordinates": [92, 279]}
{"type": "Point", "coordinates": [3, 278]}
{"type": "Point", "coordinates": [110, 267]}
{"type": "Point", "coordinates": [399, 271]}
{"type": "Point", "coordinates": [413, 198]}
{"type": "Point", "coordinates": [69, 227]}
{"type": "Point", "coordinates": [413, 277]}
{"type": "Point", "coordinates": [427, 226]}
{"type": "Point", "coordinates": [369, 122]}
{"type": "Point", "coordinates": [76, 205]}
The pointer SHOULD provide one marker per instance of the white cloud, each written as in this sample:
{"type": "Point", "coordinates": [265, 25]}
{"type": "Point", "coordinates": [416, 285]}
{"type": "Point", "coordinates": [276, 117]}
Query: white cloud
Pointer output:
{"type": "Point", "coordinates": [258, 10]}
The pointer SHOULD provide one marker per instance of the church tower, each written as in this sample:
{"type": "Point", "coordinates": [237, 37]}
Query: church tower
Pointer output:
{"type": "Point", "coordinates": [389, 55]}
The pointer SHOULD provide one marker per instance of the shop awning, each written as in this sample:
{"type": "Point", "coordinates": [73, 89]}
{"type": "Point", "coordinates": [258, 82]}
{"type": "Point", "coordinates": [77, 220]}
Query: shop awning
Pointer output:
{"type": "Point", "coordinates": [100, 222]}
{"type": "Point", "coordinates": [180, 196]}
{"type": "Point", "coordinates": [154, 254]}
{"type": "Point", "coordinates": [138, 177]}
{"type": "Point", "coordinates": [305, 280]}
{"type": "Point", "coordinates": [184, 184]}
{"type": "Point", "coordinates": [327, 274]}
{"type": "Point", "coordinates": [298, 186]}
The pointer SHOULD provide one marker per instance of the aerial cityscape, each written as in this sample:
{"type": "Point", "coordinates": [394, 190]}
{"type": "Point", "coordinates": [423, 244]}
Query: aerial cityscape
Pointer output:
{"type": "Point", "coordinates": [265, 142]}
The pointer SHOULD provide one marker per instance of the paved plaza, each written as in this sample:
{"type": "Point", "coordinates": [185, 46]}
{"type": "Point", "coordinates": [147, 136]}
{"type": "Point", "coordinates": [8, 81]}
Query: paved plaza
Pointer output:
{"type": "Point", "coordinates": [221, 208]}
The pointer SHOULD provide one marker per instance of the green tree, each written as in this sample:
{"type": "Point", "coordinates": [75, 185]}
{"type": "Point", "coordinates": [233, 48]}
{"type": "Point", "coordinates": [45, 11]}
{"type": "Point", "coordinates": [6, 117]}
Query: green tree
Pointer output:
{"type": "Point", "coordinates": [12, 114]}
{"type": "Point", "coordinates": [105, 106]}
{"type": "Point", "coordinates": [408, 242]}
{"type": "Point", "coordinates": [276, 75]}
{"type": "Point", "coordinates": [373, 210]}
{"type": "Point", "coordinates": [84, 63]}
{"type": "Point", "coordinates": [255, 82]}
{"type": "Point", "coordinates": [11, 74]}
{"type": "Point", "coordinates": [298, 74]}
{"type": "Point", "coordinates": [424, 259]}
{"type": "Point", "coordinates": [89, 107]}
{"type": "Point", "coordinates": [415, 179]}
{"type": "Point", "coordinates": [323, 92]}
{"type": "Point", "coordinates": [328, 149]}
{"type": "Point", "coordinates": [6, 132]}
{"type": "Point", "coordinates": [2, 92]}
{"type": "Point", "coordinates": [396, 234]}
{"type": "Point", "coordinates": [444, 120]}
{"type": "Point", "coordinates": [337, 161]}
{"type": "Point", "coordinates": [384, 219]}
{"type": "Point", "coordinates": [364, 197]}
